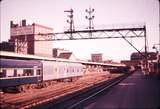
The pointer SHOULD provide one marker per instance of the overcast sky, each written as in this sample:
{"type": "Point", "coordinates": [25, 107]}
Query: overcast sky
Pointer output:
{"type": "Point", "coordinates": [51, 13]}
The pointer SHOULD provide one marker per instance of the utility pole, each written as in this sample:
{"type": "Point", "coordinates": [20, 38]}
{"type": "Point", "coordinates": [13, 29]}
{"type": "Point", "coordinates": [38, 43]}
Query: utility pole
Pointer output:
{"type": "Point", "coordinates": [146, 54]}
{"type": "Point", "coordinates": [70, 21]}
{"type": "Point", "coordinates": [90, 18]}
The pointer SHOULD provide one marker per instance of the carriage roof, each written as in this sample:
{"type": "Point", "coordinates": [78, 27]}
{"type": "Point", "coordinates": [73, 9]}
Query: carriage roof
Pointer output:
{"type": "Point", "coordinates": [10, 63]}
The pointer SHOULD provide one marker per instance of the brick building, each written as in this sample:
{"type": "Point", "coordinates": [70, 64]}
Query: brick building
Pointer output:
{"type": "Point", "coordinates": [24, 36]}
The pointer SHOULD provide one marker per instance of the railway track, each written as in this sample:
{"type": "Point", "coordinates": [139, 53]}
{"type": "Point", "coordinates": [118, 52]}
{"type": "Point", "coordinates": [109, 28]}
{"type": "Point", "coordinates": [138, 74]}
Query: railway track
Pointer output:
{"type": "Point", "coordinates": [59, 95]}
{"type": "Point", "coordinates": [34, 97]}
{"type": "Point", "coordinates": [79, 98]}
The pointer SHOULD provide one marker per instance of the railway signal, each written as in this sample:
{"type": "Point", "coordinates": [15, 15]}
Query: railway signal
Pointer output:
{"type": "Point", "coordinates": [70, 21]}
{"type": "Point", "coordinates": [90, 18]}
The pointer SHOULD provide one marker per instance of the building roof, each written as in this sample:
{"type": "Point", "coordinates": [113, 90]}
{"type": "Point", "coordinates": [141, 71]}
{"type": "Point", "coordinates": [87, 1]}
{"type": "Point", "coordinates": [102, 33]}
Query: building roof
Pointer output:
{"type": "Point", "coordinates": [42, 26]}
{"type": "Point", "coordinates": [12, 55]}
{"type": "Point", "coordinates": [10, 63]}
{"type": "Point", "coordinates": [138, 56]}
{"type": "Point", "coordinates": [65, 55]}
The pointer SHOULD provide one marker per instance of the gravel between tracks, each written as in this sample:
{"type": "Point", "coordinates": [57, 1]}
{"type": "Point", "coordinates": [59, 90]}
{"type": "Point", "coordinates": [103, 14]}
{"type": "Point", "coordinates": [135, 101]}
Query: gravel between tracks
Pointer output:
{"type": "Point", "coordinates": [55, 91]}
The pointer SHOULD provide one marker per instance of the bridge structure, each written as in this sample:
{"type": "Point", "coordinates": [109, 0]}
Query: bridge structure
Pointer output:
{"type": "Point", "coordinates": [124, 31]}
{"type": "Point", "coordinates": [110, 31]}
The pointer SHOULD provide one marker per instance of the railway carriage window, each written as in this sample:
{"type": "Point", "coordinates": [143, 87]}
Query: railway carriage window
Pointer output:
{"type": "Point", "coordinates": [3, 73]}
{"type": "Point", "coordinates": [56, 69]}
{"type": "Point", "coordinates": [0, 70]}
{"type": "Point", "coordinates": [72, 70]}
{"type": "Point", "coordinates": [64, 69]}
{"type": "Point", "coordinates": [15, 72]}
{"type": "Point", "coordinates": [28, 72]}
{"type": "Point", "coordinates": [9, 72]}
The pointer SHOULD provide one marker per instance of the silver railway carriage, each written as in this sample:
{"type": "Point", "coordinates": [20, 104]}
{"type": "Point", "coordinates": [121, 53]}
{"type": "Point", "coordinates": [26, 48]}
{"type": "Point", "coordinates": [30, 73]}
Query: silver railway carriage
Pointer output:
{"type": "Point", "coordinates": [61, 70]}
{"type": "Point", "coordinates": [15, 73]}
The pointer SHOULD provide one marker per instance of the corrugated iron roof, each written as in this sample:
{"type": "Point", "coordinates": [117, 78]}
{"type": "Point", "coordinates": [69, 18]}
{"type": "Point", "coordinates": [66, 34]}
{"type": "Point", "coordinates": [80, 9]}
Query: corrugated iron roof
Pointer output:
{"type": "Point", "coordinates": [26, 56]}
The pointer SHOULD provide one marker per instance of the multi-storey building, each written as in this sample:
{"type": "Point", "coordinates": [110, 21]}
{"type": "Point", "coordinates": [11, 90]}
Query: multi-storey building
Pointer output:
{"type": "Point", "coordinates": [26, 39]}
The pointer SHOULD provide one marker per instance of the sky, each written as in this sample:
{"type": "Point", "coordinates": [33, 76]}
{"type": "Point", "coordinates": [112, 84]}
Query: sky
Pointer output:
{"type": "Point", "coordinates": [107, 12]}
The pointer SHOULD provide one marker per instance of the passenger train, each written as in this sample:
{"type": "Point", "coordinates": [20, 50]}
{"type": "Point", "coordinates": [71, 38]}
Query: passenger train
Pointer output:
{"type": "Point", "coordinates": [22, 74]}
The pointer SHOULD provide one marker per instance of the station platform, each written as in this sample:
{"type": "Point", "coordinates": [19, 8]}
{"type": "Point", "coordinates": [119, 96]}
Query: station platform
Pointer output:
{"type": "Point", "coordinates": [136, 91]}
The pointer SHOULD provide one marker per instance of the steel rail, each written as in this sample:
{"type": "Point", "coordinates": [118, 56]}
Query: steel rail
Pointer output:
{"type": "Point", "coordinates": [74, 100]}
{"type": "Point", "coordinates": [96, 93]}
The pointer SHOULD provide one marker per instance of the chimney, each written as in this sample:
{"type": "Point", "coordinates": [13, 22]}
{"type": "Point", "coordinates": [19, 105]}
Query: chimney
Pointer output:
{"type": "Point", "coordinates": [24, 22]}
{"type": "Point", "coordinates": [11, 24]}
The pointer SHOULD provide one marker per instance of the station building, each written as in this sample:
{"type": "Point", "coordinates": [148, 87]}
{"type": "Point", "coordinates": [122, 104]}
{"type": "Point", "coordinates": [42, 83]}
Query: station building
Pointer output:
{"type": "Point", "coordinates": [137, 59]}
{"type": "Point", "coordinates": [138, 56]}
{"type": "Point", "coordinates": [26, 39]}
